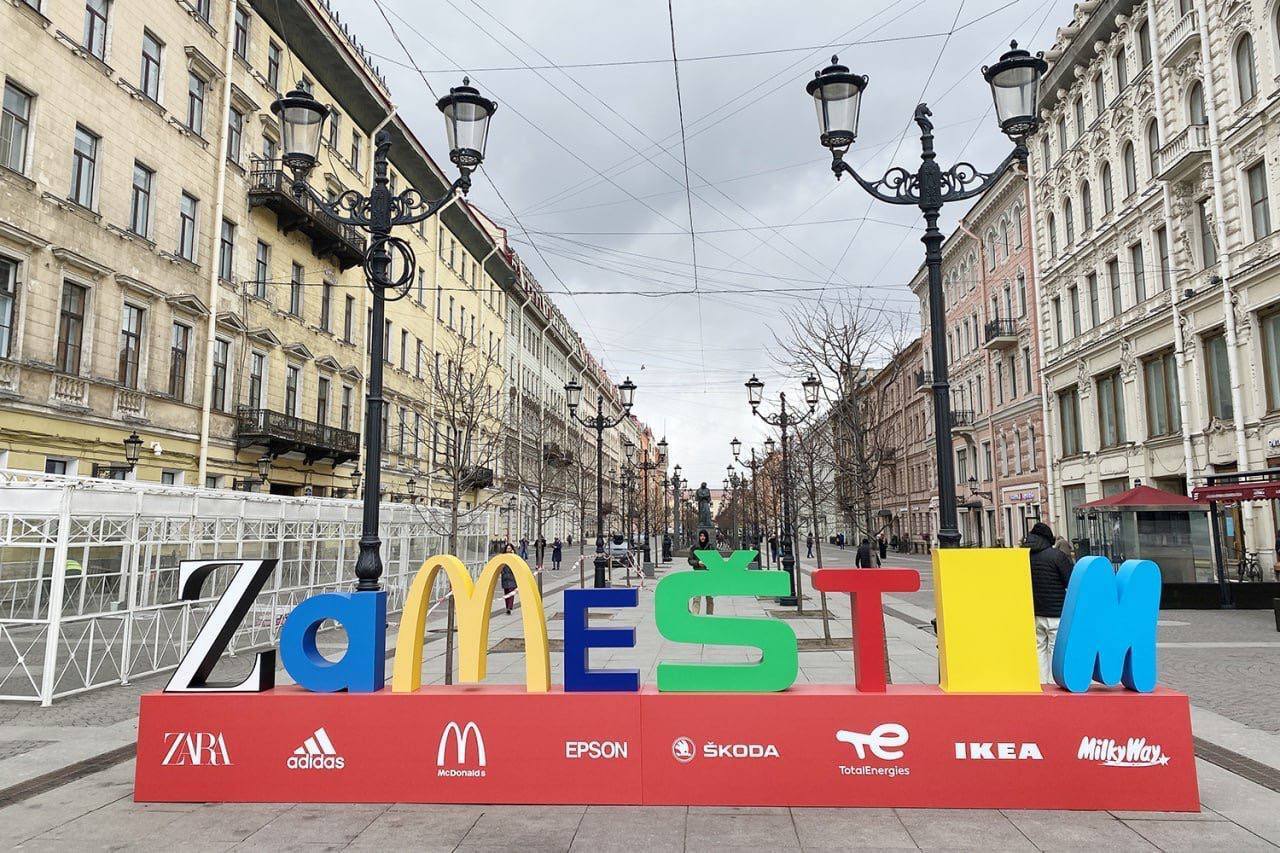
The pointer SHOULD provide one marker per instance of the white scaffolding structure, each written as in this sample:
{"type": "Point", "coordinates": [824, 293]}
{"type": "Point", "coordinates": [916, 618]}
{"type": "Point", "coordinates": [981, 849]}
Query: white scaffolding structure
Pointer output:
{"type": "Point", "coordinates": [88, 571]}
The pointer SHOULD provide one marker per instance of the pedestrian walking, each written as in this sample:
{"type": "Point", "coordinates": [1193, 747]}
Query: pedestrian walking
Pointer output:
{"type": "Point", "coordinates": [864, 559]}
{"type": "Point", "coordinates": [540, 549]}
{"type": "Point", "coordinates": [524, 548]}
{"type": "Point", "coordinates": [883, 545]}
{"type": "Point", "coordinates": [1050, 574]}
{"type": "Point", "coordinates": [808, 545]}
{"type": "Point", "coordinates": [556, 553]}
{"type": "Point", "coordinates": [1065, 547]}
{"type": "Point", "coordinates": [773, 548]}
{"type": "Point", "coordinates": [508, 580]}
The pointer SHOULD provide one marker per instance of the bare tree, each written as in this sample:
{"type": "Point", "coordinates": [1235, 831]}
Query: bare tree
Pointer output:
{"type": "Point", "coordinates": [810, 447]}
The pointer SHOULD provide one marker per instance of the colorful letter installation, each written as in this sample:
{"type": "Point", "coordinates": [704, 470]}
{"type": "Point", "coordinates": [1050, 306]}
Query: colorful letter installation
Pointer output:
{"type": "Point", "coordinates": [986, 620]}
{"type": "Point", "coordinates": [472, 603]}
{"type": "Point", "coordinates": [864, 587]}
{"type": "Point", "coordinates": [580, 638]}
{"type": "Point", "coordinates": [1108, 628]}
{"type": "Point", "coordinates": [779, 661]}
{"type": "Point", "coordinates": [363, 615]}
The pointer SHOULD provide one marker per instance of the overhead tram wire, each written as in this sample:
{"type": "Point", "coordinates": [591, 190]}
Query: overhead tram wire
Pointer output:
{"type": "Point", "coordinates": [599, 341]}
{"type": "Point", "coordinates": [688, 196]}
{"type": "Point", "coordinates": [627, 163]}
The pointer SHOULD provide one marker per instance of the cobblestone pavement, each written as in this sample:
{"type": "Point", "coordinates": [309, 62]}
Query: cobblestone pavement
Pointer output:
{"type": "Point", "coordinates": [96, 811]}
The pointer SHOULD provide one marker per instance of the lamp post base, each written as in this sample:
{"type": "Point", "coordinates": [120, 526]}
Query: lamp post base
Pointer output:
{"type": "Point", "coordinates": [602, 571]}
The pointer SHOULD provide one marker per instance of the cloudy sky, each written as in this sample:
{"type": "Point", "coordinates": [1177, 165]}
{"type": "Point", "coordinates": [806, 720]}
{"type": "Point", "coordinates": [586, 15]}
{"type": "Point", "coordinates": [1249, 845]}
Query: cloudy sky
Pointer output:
{"type": "Point", "coordinates": [586, 166]}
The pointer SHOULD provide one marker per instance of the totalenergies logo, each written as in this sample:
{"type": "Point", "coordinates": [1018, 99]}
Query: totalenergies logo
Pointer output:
{"type": "Point", "coordinates": [986, 635]}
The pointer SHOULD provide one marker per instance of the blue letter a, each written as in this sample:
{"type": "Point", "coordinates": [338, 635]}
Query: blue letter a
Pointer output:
{"type": "Point", "coordinates": [363, 615]}
{"type": "Point", "coordinates": [1108, 630]}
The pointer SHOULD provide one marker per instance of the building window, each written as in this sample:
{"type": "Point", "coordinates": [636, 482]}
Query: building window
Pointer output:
{"type": "Point", "coordinates": [1073, 296]}
{"type": "Point", "coordinates": [195, 103]}
{"type": "Point", "coordinates": [1069, 421]}
{"type": "Point", "coordinates": [1026, 367]}
{"type": "Point", "coordinates": [130, 346]}
{"type": "Point", "coordinates": [1246, 74]}
{"type": "Point", "coordinates": [241, 42]}
{"type": "Point", "coordinates": [1051, 226]}
{"type": "Point", "coordinates": [55, 466]}
{"type": "Point", "coordinates": [1160, 376]}
{"type": "Point", "coordinates": [204, 8]}
{"type": "Point", "coordinates": [291, 376]}
{"type": "Point", "coordinates": [1061, 127]}
{"type": "Point", "coordinates": [346, 407]}
{"type": "Point", "coordinates": [71, 327]}
{"type": "Point", "coordinates": [257, 374]}
{"type": "Point", "coordinates": [1069, 222]}
{"type": "Point", "coordinates": [1057, 320]}
{"type": "Point", "coordinates": [221, 357]}
{"type": "Point", "coordinates": [187, 227]}
{"type": "Point", "coordinates": [322, 400]}
{"type": "Point", "coordinates": [226, 251]}
{"type": "Point", "coordinates": [1144, 43]}
{"type": "Point", "coordinates": [404, 349]}
{"type": "Point", "coordinates": [1110, 409]}
{"type": "Point", "coordinates": [1122, 70]}
{"type": "Point", "coordinates": [1138, 265]}
{"type": "Point", "coordinates": [1208, 248]}
{"type": "Point", "coordinates": [1162, 246]}
{"type": "Point", "coordinates": [15, 124]}
{"type": "Point", "coordinates": [140, 200]}
{"type": "Point", "coordinates": [1108, 192]}
{"type": "Point", "coordinates": [1099, 96]}
{"type": "Point", "coordinates": [8, 299]}
{"type": "Point", "coordinates": [355, 150]}
{"type": "Point", "coordinates": [295, 289]}
{"type": "Point", "coordinates": [348, 318]}
{"type": "Point", "coordinates": [1195, 105]}
{"type": "Point", "coordinates": [1153, 149]}
{"type": "Point", "coordinates": [235, 134]}
{"type": "Point", "coordinates": [1086, 206]}
{"type": "Point", "coordinates": [326, 304]}
{"type": "Point", "coordinates": [1218, 376]}
{"type": "Point", "coordinates": [273, 65]}
{"type": "Point", "coordinates": [1270, 324]}
{"type": "Point", "coordinates": [1091, 287]}
{"type": "Point", "coordinates": [1078, 108]}
{"type": "Point", "coordinates": [179, 344]}
{"type": "Point", "coordinates": [1259, 209]}
{"type": "Point", "coordinates": [261, 270]}
{"type": "Point", "coordinates": [95, 27]}
{"type": "Point", "coordinates": [149, 76]}
{"type": "Point", "coordinates": [1130, 170]}
{"type": "Point", "coordinates": [1022, 295]}
{"type": "Point", "coordinates": [84, 167]}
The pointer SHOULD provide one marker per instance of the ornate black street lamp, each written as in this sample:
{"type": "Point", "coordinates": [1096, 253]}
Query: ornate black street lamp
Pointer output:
{"type": "Point", "coordinates": [647, 464]}
{"type": "Point", "coordinates": [1015, 87]}
{"type": "Point", "coordinates": [466, 115]}
{"type": "Point", "coordinates": [675, 483]}
{"type": "Point", "coordinates": [754, 467]}
{"type": "Point", "coordinates": [785, 420]}
{"type": "Point", "coordinates": [599, 423]}
{"type": "Point", "coordinates": [132, 452]}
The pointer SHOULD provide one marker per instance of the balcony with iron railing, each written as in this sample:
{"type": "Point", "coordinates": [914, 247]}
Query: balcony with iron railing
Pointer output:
{"type": "Point", "coordinates": [1183, 155]}
{"type": "Point", "coordinates": [476, 477]}
{"type": "Point", "coordinates": [272, 188]}
{"type": "Point", "coordinates": [962, 420]}
{"type": "Point", "coordinates": [924, 380]}
{"type": "Point", "coordinates": [1000, 333]}
{"type": "Point", "coordinates": [278, 433]}
{"type": "Point", "coordinates": [1181, 38]}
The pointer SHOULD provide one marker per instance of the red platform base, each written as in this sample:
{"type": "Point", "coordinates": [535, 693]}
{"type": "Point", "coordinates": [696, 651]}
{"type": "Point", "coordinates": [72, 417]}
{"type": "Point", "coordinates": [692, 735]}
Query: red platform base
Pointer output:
{"type": "Point", "coordinates": [1107, 749]}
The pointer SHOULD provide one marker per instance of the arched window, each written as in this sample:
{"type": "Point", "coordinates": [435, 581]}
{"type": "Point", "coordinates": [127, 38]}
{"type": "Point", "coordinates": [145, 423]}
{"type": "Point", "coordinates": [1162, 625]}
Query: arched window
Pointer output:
{"type": "Point", "coordinates": [1153, 148]}
{"type": "Point", "coordinates": [1246, 74]}
{"type": "Point", "coordinates": [1051, 226]}
{"type": "Point", "coordinates": [1108, 195]}
{"type": "Point", "coordinates": [1069, 221]}
{"type": "Point", "coordinates": [1099, 96]}
{"type": "Point", "coordinates": [1078, 109]}
{"type": "Point", "coordinates": [1004, 236]}
{"type": "Point", "coordinates": [1062, 136]}
{"type": "Point", "coordinates": [991, 250]}
{"type": "Point", "coordinates": [1122, 70]}
{"type": "Point", "coordinates": [1130, 170]}
{"type": "Point", "coordinates": [1144, 43]}
{"type": "Point", "coordinates": [1195, 105]}
{"type": "Point", "coordinates": [1086, 206]}
{"type": "Point", "coordinates": [1017, 451]}
{"type": "Point", "coordinates": [1017, 225]}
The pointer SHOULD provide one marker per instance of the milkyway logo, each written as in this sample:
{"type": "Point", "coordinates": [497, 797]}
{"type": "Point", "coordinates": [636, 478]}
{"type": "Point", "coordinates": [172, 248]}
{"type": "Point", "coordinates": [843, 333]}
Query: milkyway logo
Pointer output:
{"type": "Point", "coordinates": [683, 750]}
{"type": "Point", "coordinates": [1135, 752]}
{"type": "Point", "coordinates": [882, 741]}
{"type": "Point", "coordinates": [316, 753]}
{"type": "Point", "coordinates": [461, 738]}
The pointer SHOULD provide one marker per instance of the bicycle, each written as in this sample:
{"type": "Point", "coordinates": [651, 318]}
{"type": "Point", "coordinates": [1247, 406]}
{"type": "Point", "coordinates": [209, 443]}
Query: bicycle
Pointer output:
{"type": "Point", "coordinates": [1248, 568]}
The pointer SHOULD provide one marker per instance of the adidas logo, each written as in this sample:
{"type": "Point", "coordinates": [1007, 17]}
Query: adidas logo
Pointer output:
{"type": "Point", "coordinates": [316, 753]}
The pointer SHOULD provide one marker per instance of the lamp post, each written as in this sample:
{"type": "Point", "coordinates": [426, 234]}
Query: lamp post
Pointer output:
{"type": "Point", "coordinates": [132, 452]}
{"type": "Point", "coordinates": [1015, 87]}
{"type": "Point", "coordinates": [675, 507]}
{"type": "Point", "coordinates": [466, 115]}
{"type": "Point", "coordinates": [754, 467]}
{"type": "Point", "coordinates": [647, 464]}
{"type": "Point", "coordinates": [785, 420]}
{"type": "Point", "coordinates": [599, 423]}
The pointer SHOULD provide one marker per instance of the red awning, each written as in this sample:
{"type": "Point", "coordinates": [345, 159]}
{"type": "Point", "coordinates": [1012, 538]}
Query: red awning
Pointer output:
{"type": "Point", "coordinates": [1145, 497]}
{"type": "Point", "coordinates": [1235, 492]}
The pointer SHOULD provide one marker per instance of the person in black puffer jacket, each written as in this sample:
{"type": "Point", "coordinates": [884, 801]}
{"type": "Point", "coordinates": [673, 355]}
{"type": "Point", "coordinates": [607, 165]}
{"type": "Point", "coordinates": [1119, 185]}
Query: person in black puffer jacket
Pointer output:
{"type": "Point", "coordinates": [1050, 574]}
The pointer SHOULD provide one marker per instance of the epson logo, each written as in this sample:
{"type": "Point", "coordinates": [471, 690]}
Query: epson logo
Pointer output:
{"type": "Point", "coordinates": [595, 749]}
{"type": "Point", "coordinates": [998, 751]}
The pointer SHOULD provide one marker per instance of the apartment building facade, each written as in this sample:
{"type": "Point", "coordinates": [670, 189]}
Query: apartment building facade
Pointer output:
{"type": "Point", "coordinates": [1151, 183]}
{"type": "Point", "coordinates": [158, 276]}
{"type": "Point", "coordinates": [993, 357]}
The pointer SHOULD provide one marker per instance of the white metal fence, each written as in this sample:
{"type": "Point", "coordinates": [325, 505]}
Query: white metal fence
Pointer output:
{"type": "Point", "coordinates": [89, 568]}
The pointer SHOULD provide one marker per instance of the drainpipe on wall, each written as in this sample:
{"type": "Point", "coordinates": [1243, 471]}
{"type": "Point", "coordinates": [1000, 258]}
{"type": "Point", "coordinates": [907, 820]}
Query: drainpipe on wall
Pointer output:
{"type": "Point", "coordinates": [1051, 494]}
{"type": "Point", "coordinates": [219, 208]}
{"type": "Point", "coordinates": [1179, 344]}
{"type": "Point", "coordinates": [1224, 254]}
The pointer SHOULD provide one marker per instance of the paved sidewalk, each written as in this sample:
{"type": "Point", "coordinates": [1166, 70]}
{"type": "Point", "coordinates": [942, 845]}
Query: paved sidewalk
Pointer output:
{"type": "Point", "coordinates": [96, 811]}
